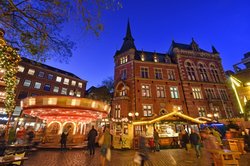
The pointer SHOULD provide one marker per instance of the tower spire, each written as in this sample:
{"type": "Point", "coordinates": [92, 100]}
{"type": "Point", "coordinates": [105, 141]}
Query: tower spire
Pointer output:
{"type": "Point", "coordinates": [128, 40]}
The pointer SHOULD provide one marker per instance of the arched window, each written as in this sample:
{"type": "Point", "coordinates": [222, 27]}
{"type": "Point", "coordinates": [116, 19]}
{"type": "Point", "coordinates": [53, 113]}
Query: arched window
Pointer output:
{"type": "Point", "coordinates": [190, 71]}
{"type": "Point", "coordinates": [203, 72]}
{"type": "Point", "coordinates": [214, 73]}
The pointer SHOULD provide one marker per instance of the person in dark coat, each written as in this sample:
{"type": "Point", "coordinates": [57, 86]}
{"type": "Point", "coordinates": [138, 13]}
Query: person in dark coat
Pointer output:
{"type": "Point", "coordinates": [64, 140]}
{"type": "Point", "coordinates": [91, 140]}
{"type": "Point", "coordinates": [195, 141]}
{"type": "Point", "coordinates": [143, 151]}
{"type": "Point", "coordinates": [184, 139]}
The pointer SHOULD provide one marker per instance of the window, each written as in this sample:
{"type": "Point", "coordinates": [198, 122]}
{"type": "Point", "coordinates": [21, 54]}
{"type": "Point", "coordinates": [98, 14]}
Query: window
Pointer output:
{"type": "Point", "coordinates": [214, 73]}
{"type": "Point", "coordinates": [156, 58]}
{"type": "Point", "coordinates": [20, 68]}
{"type": "Point", "coordinates": [22, 95]}
{"type": "Point", "coordinates": [56, 89]}
{"type": "Point", "coordinates": [66, 81]}
{"type": "Point", "coordinates": [71, 93]}
{"type": "Point", "coordinates": [147, 110]}
{"type": "Point", "coordinates": [203, 72]}
{"type": "Point", "coordinates": [64, 91]}
{"type": "Point", "coordinates": [58, 79]}
{"type": "Point", "coordinates": [142, 57]}
{"type": "Point", "coordinates": [145, 90]}
{"type": "Point", "coordinates": [197, 93]}
{"type": "Point", "coordinates": [79, 84]}
{"type": "Point", "coordinates": [178, 108]}
{"type": "Point", "coordinates": [73, 83]}
{"type": "Point", "coordinates": [123, 74]}
{"type": "Point", "coordinates": [31, 72]}
{"type": "Point", "coordinates": [123, 92]}
{"type": "Point", "coordinates": [27, 83]}
{"type": "Point", "coordinates": [37, 85]}
{"type": "Point", "coordinates": [50, 76]}
{"type": "Point", "coordinates": [144, 72]}
{"type": "Point", "coordinates": [229, 112]}
{"type": "Point", "coordinates": [190, 71]}
{"type": "Point", "coordinates": [174, 92]}
{"type": "Point", "coordinates": [160, 91]}
{"type": "Point", "coordinates": [41, 74]}
{"type": "Point", "coordinates": [17, 80]}
{"type": "Point", "coordinates": [216, 111]}
{"type": "Point", "coordinates": [171, 75]}
{"type": "Point", "coordinates": [210, 93]}
{"type": "Point", "coordinates": [117, 111]}
{"type": "Point", "coordinates": [158, 74]}
{"type": "Point", "coordinates": [202, 112]}
{"type": "Point", "coordinates": [46, 87]}
{"type": "Point", "coordinates": [78, 94]}
{"type": "Point", "coordinates": [123, 60]}
{"type": "Point", "coordinates": [223, 94]}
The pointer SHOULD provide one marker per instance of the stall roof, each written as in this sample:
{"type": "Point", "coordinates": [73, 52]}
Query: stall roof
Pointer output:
{"type": "Point", "coordinates": [171, 116]}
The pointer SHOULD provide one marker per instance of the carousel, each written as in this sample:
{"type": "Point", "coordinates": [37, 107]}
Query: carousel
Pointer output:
{"type": "Point", "coordinates": [63, 113]}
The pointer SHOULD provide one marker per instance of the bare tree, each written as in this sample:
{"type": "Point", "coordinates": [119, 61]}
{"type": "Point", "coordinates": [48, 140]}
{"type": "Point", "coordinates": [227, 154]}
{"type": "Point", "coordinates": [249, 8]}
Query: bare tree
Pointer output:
{"type": "Point", "coordinates": [34, 26]}
{"type": "Point", "coordinates": [109, 83]}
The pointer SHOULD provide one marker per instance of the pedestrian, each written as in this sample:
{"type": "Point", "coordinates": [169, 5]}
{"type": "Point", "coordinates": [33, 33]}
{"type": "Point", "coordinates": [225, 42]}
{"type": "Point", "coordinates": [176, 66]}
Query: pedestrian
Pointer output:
{"type": "Point", "coordinates": [156, 140]}
{"type": "Point", "coordinates": [195, 141]}
{"type": "Point", "coordinates": [105, 147]}
{"type": "Point", "coordinates": [30, 135]}
{"type": "Point", "coordinates": [20, 135]}
{"type": "Point", "coordinates": [209, 143]}
{"type": "Point", "coordinates": [91, 140]}
{"type": "Point", "coordinates": [184, 139]}
{"type": "Point", "coordinates": [63, 140]}
{"type": "Point", "coordinates": [143, 151]}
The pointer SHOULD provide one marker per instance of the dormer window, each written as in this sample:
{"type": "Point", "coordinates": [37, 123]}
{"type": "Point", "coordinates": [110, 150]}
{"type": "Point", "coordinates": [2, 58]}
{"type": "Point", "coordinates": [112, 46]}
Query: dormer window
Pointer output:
{"type": "Point", "coordinates": [156, 58]}
{"type": "Point", "coordinates": [142, 57]}
{"type": "Point", "coordinates": [123, 60]}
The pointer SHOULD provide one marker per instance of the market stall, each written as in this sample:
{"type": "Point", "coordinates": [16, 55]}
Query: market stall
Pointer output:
{"type": "Point", "coordinates": [168, 127]}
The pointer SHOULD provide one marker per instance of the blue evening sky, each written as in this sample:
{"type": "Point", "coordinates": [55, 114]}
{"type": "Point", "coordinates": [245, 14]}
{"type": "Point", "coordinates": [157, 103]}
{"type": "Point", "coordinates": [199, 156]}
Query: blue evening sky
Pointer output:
{"type": "Point", "coordinates": [154, 24]}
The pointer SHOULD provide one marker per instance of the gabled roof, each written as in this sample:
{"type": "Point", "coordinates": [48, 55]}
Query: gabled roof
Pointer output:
{"type": "Point", "coordinates": [169, 116]}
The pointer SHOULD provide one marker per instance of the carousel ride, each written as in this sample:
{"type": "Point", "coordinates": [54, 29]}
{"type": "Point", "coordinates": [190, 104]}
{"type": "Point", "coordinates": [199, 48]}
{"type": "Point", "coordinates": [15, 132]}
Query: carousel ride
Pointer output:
{"type": "Point", "coordinates": [63, 113]}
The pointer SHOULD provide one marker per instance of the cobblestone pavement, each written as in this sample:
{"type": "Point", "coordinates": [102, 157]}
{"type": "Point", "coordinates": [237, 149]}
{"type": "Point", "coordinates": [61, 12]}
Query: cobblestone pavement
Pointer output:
{"type": "Point", "coordinates": [167, 157]}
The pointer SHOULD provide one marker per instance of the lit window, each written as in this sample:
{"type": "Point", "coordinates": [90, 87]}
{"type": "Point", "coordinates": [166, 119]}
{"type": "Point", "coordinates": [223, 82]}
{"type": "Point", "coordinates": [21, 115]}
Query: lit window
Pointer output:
{"type": "Point", "coordinates": [73, 83]}
{"type": "Point", "coordinates": [79, 84]}
{"type": "Point", "coordinates": [156, 58]}
{"type": "Point", "coordinates": [75, 102]}
{"type": "Point", "coordinates": [160, 91]}
{"type": "Point", "coordinates": [31, 72]}
{"type": "Point", "coordinates": [78, 94]}
{"type": "Point", "coordinates": [123, 59]}
{"type": "Point", "coordinates": [147, 110]}
{"type": "Point", "coordinates": [117, 111]}
{"type": "Point", "coordinates": [56, 89]}
{"type": "Point", "coordinates": [197, 93]}
{"type": "Point", "coordinates": [50, 101]}
{"type": "Point", "coordinates": [123, 92]}
{"type": "Point", "coordinates": [171, 75]}
{"type": "Point", "coordinates": [142, 57]}
{"type": "Point", "coordinates": [20, 68]}
{"type": "Point", "coordinates": [50, 76]}
{"type": "Point", "coordinates": [41, 74]}
{"type": "Point", "coordinates": [177, 108]}
{"type": "Point", "coordinates": [27, 83]}
{"type": "Point", "coordinates": [174, 92]}
{"type": "Point", "coordinates": [158, 74]}
{"type": "Point", "coordinates": [46, 87]}
{"type": "Point", "coordinates": [71, 92]}
{"type": "Point", "coordinates": [202, 112]}
{"type": "Point", "coordinates": [66, 81]}
{"type": "Point", "coordinates": [64, 91]}
{"type": "Point", "coordinates": [216, 111]}
{"type": "Point", "coordinates": [144, 72]}
{"type": "Point", "coordinates": [58, 79]}
{"type": "Point", "coordinates": [145, 90]}
{"type": "Point", "coordinates": [37, 85]}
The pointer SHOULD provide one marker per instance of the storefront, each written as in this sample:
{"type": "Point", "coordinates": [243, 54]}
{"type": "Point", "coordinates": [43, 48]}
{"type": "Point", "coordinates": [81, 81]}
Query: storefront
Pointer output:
{"type": "Point", "coordinates": [168, 126]}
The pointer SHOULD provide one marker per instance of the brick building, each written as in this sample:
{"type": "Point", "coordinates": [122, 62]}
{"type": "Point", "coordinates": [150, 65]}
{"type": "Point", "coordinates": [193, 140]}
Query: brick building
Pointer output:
{"type": "Point", "coordinates": [186, 78]}
{"type": "Point", "coordinates": [39, 79]}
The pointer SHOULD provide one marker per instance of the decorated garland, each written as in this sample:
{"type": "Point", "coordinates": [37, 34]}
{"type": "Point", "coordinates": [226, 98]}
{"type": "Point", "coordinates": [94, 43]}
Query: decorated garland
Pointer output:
{"type": "Point", "coordinates": [9, 59]}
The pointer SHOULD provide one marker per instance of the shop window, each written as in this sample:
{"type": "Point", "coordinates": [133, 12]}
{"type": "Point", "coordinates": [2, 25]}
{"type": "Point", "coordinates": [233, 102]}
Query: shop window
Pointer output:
{"type": "Point", "coordinates": [27, 83]}
{"type": "Point", "coordinates": [174, 92]}
{"type": "Point", "coordinates": [31, 72]}
{"type": "Point", "coordinates": [138, 130]}
{"type": "Point", "coordinates": [46, 87]}
{"type": "Point", "coordinates": [37, 85]}
{"type": "Point", "coordinates": [158, 74]}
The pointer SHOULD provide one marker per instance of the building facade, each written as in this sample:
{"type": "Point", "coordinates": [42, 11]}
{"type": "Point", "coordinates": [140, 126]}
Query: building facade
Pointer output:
{"type": "Point", "coordinates": [186, 78]}
{"type": "Point", "coordinates": [36, 79]}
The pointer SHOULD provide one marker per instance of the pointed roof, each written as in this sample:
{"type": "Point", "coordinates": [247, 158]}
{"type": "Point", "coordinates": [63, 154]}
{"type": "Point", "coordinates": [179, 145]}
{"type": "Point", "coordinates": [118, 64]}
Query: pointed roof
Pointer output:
{"type": "Point", "coordinates": [194, 45]}
{"type": "Point", "coordinates": [128, 42]}
{"type": "Point", "coordinates": [214, 50]}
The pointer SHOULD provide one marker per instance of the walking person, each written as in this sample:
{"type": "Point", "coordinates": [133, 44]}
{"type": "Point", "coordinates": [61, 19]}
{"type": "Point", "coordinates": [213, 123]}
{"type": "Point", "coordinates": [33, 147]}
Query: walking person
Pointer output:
{"type": "Point", "coordinates": [91, 140]}
{"type": "Point", "coordinates": [156, 140]}
{"type": "Point", "coordinates": [64, 140]}
{"type": "Point", "coordinates": [184, 139]}
{"type": "Point", "coordinates": [105, 147]}
{"type": "Point", "coordinates": [195, 141]}
{"type": "Point", "coordinates": [143, 151]}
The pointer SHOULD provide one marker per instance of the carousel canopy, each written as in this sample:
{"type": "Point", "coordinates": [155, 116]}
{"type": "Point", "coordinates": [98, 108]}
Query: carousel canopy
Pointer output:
{"type": "Point", "coordinates": [173, 116]}
{"type": "Point", "coordinates": [64, 108]}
